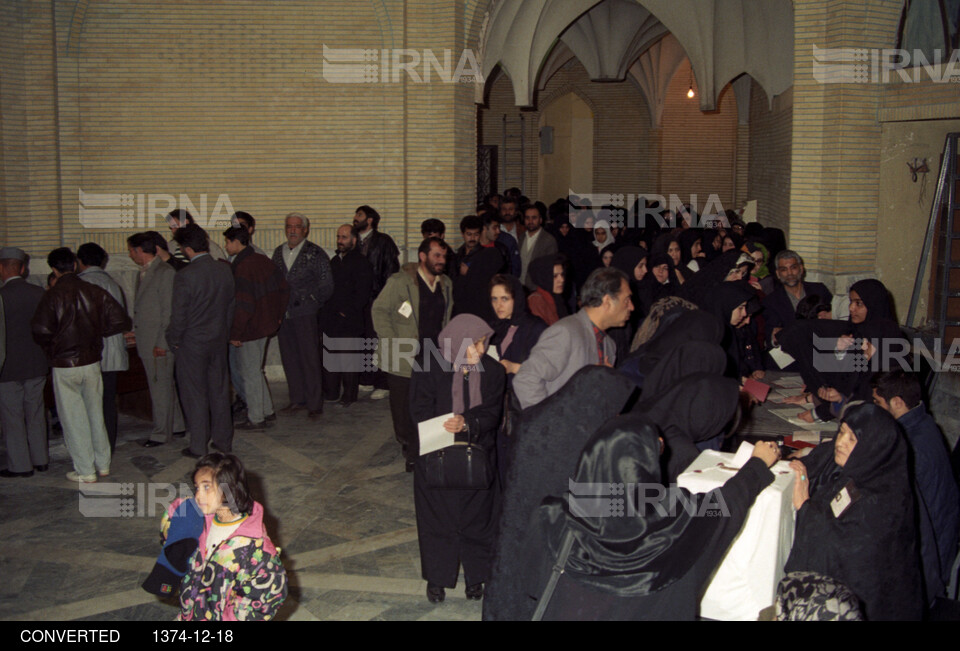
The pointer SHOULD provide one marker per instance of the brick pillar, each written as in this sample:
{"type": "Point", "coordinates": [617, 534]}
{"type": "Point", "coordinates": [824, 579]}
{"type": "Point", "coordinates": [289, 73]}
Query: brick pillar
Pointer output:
{"type": "Point", "coordinates": [440, 121]}
{"type": "Point", "coordinates": [835, 168]}
{"type": "Point", "coordinates": [29, 202]}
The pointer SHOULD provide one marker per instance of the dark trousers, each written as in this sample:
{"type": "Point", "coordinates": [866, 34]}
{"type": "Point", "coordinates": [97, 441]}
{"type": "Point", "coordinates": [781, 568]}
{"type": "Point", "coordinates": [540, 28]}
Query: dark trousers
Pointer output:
{"type": "Point", "coordinates": [454, 528]}
{"type": "Point", "coordinates": [403, 426]}
{"type": "Point", "coordinates": [299, 340]}
{"type": "Point", "coordinates": [332, 382]}
{"type": "Point", "coordinates": [376, 378]}
{"type": "Point", "coordinates": [110, 406]}
{"type": "Point", "coordinates": [204, 383]}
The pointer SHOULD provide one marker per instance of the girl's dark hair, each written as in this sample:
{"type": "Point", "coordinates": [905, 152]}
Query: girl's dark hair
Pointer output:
{"type": "Point", "coordinates": [230, 477]}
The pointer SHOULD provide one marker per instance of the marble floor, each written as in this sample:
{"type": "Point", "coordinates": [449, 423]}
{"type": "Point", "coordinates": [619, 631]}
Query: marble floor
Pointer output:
{"type": "Point", "coordinates": [338, 503]}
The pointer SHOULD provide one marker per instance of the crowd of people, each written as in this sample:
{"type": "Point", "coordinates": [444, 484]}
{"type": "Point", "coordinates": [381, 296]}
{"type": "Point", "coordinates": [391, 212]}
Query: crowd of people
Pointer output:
{"type": "Point", "coordinates": [554, 343]}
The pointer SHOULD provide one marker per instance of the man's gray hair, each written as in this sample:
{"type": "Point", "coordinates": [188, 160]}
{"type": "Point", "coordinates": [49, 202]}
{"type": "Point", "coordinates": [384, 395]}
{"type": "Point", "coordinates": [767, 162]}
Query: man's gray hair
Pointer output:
{"type": "Point", "coordinates": [605, 281]}
{"type": "Point", "coordinates": [298, 215]}
{"type": "Point", "coordinates": [786, 254]}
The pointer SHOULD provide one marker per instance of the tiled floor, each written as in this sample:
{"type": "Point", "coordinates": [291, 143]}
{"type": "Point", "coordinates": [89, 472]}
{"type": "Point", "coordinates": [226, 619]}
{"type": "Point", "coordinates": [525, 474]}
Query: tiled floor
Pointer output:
{"type": "Point", "coordinates": [339, 505]}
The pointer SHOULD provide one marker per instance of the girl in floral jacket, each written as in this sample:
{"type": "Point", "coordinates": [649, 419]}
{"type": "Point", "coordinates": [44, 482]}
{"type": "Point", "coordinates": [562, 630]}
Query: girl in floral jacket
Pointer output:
{"type": "Point", "coordinates": [235, 574]}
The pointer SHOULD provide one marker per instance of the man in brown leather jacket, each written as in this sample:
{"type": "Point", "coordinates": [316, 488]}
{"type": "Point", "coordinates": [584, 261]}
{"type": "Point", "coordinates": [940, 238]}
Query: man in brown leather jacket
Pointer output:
{"type": "Point", "coordinates": [70, 323]}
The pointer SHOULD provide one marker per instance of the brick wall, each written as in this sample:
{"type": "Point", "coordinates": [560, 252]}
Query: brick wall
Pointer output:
{"type": "Point", "coordinates": [769, 166]}
{"type": "Point", "coordinates": [698, 150]}
{"type": "Point", "coordinates": [227, 102]}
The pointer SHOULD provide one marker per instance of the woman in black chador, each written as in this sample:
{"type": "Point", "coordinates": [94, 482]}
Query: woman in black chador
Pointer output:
{"type": "Point", "coordinates": [855, 515]}
{"type": "Point", "coordinates": [458, 526]}
{"type": "Point", "coordinates": [648, 562]}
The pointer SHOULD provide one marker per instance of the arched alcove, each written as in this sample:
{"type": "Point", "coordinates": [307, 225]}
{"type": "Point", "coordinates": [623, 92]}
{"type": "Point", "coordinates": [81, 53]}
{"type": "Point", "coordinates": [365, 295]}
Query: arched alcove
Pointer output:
{"type": "Point", "coordinates": [568, 165]}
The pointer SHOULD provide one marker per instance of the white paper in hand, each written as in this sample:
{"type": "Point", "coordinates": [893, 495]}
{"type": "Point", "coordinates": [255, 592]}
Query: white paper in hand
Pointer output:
{"type": "Point", "coordinates": [744, 452]}
{"type": "Point", "coordinates": [782, 359]}
{"type": "Point", "coordinates": [433, 436]}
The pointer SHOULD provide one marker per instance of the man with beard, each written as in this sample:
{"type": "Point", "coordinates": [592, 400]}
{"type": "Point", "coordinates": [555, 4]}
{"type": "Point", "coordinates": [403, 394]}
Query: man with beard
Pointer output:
{"type": "Point", "coordinates": [534, 243]}
{"type": "Point", "coordinates": [412, 309]}
{"type": "Point", "coordinates": [780, 307]}
{"type": "Point", "coordinates": [510, 232]}
{"type": "Point", "coordinates": [342, 319]}
{"type": "Point", "coordinates": [470, 228]}
{"type": "Point", "coordinates": [380, 249]}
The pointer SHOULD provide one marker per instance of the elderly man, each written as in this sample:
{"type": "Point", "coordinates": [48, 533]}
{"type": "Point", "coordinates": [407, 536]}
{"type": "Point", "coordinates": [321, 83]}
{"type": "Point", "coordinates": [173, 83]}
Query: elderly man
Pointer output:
{"type": "Point", "coordinates": [70, 323]}
{"type": "Point", "coordinates": [307, 270]}
{"type": "Point", "coordinates": [151, 316]}
{"type": "Point", "coordinates": [91, 264]}
{"type": "Point", "coordinates": [577, 340]}
{"type": "Point", "coordinates": [342, 319]}
{"type": "Point", "coordinates": [23, 371]}
{"type": "Point", "coordinates": [200, 318]}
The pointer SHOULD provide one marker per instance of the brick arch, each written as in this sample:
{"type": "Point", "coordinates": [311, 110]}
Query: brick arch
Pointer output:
{"type": "Point", "coordinates": [563, 90]}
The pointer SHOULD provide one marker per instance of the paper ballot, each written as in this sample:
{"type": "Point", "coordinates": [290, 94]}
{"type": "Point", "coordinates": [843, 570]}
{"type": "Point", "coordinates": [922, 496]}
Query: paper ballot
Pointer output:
{"type": "Point", "coordinates": [432, 435]}
{"type": "Point", "coordinates": [789, 382]}
{"type": "Point", "coordinates": [782, 359]}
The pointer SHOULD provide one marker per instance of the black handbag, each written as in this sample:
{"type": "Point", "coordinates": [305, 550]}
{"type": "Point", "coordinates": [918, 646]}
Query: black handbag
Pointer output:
{"type": "Point", "coordinates": [461, 466]}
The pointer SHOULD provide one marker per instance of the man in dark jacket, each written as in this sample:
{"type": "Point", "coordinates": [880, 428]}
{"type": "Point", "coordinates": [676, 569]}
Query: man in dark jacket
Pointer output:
{"type": "Point", "coordinates": [342, 319]}
{"type": "Point", "coordinates": [938, 499]}
{"type": "Point", "coordinates": [380, 249]}
{"type": "Point", "coordinates": [23, 372]}
{"type": "Point", "coordinates": [70, 323]}
{"type": "Point", "coordinates": [780, 307]}
{"type": "Point", "coordinates": [200, 318]}
{"type": "Point", "coordinates": [307, 270]}
{"type": "Point", "coordinates": [262, 294]}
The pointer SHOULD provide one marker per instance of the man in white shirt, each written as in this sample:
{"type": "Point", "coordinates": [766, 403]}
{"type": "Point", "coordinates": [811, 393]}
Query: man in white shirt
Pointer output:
{"type": "Point", "coordinates": [534, 243]}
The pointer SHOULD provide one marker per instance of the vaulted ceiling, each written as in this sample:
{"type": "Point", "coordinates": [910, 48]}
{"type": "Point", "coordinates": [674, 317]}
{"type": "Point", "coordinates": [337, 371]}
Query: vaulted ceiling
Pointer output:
{"type": "Point", "coordinates": [531, 39]}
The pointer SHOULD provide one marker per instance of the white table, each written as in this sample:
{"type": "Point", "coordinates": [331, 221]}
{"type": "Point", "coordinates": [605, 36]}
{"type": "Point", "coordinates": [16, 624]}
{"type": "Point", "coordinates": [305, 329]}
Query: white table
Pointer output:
{"type": "Point", "coordinates": [746, 580]}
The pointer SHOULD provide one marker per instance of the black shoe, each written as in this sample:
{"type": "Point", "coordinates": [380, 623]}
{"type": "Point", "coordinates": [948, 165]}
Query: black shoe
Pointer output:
{"type": "Point", "coordinates": [240, 416]}
{"type": "Point", "coordinates": [272, 418]}
{"type": "Point", "coordinates": [435, 593]}
{"type": "Point", "coordinates": [42, 468]}
{"type": "Point", "coordinates": [475, 591]}
{"type": "Point", "coordinates": [187, 452]}
{"type": "Point", "coordinates": [238, 405]}
{"type": "Point", "coordinates": [249, 426]}
{"type": "Point", "coordinates": [179, 435]}
{"type": "Point", "coordinates": [344, 403]}
{"type": "Point", "coordinates": [9, 474]}
{"type": "Point", "coordinates": [150, 443]}
{"type": "Point", "coordinates": [219, 449]}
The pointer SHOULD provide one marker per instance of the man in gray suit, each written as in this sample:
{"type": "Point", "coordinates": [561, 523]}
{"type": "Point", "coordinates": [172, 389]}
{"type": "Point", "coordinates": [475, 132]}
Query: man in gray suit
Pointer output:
{"type": "Point", "coordinates": [578, 340]}
{"type": "Point", "coordinates": [535, 242]}
{"type": "Point", "coordinates": [203, 306]}
{"type": "Point", "coordinates": [23, 371]}
{"type": "Point", "coordinates": [151, 316]}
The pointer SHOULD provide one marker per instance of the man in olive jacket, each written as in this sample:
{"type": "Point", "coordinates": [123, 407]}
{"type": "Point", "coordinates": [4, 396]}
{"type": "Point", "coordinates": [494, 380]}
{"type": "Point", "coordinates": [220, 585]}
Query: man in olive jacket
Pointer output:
{"type": "Point", "coordinates": [413, 307]}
